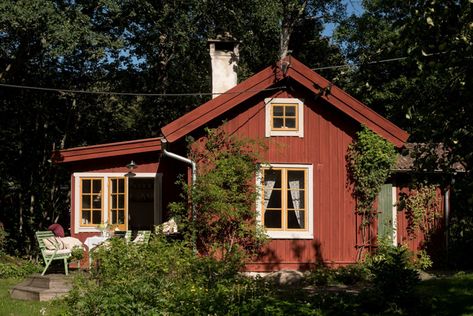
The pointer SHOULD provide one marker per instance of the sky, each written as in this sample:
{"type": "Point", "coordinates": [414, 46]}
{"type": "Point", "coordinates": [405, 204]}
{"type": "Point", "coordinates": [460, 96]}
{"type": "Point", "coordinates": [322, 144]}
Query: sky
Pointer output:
{"type": "Point", "coordinates": [353, 7]}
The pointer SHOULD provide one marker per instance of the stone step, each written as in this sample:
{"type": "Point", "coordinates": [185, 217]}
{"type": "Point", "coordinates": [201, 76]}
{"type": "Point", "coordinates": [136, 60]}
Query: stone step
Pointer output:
{"type": "Point", "coordinates": [42, 288]}
{"type": "Point", "coordinates": [50, 281]}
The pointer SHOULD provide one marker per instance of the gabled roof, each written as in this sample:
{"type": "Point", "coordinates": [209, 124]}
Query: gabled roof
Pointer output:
{"type": "Point", "coordinates": [107, 150]}
{"type": "Point", "coordinates": [269, 77]}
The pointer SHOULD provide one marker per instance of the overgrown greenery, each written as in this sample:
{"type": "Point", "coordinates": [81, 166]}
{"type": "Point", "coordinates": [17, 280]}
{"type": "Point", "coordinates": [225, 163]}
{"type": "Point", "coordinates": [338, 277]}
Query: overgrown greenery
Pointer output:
{"type": "Point", "coordinates": [426, 88]}
{"type": "Point", "coordinates": [162, 278]}
{"type": "Point", "coordinates": [222, 198]}
{"type": "Point", "coordinates": [370, 159]}
{"type": "Point", "coordinates": [168, 278]}
{"type": "Point", "coordinates": [12, 267]}
{"type": "Point", "coordinates": [422, 207]}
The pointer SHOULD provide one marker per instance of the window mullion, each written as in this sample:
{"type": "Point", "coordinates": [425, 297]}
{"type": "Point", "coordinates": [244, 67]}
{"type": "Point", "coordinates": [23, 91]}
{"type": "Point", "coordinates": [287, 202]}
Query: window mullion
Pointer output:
{"type": "Point", "coordinates": [284, 197]}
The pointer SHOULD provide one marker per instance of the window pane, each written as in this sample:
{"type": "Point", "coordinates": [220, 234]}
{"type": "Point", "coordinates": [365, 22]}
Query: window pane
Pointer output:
{"type": "Point", "coordinates": [114, 202]}
{"type": "Point", "coordinates": [296, 219]}
{"type": "Point", "coordinates": [114, 217]}
{"type": "Point", "coordinates": [121, 217]}
{"type": "Point", "coordinates": [97, 186]}
{"type": "Point", "coordinates": [85, 217]}
{"type": "Point", "coordinates": [85, 201]}
{"type": "Point", "coordinates": [121, 185]}
{"type": "Point", "coordinates": [114, 185]}
{"type": "Point", "coordinates": [121, 201]}
{"type": "Point", "coordinates": [278, 122]}
{"type": "Point", "coordinates": [295, 179]}
{"type": "Point", "coordinates": [274, 200]}
{"type": "Point", "coordinates": [291, 111]}
{"type": "Point", "coordinates": [295, 200]}
{"type": "Point", "coordinates": [272, 219]}
{"type": "Point", "coordinates": [272, 179]}
{"type": "Point", "coordinates": [278, 110]}
{"type": "Point", "coordinates": [85, 186]}
{"type": "Point", "coordinates": [290, 123]}
{"type": "Point", "coordinates": [96, 217]}
{"type": "Point", "coordinates": [97, 201]}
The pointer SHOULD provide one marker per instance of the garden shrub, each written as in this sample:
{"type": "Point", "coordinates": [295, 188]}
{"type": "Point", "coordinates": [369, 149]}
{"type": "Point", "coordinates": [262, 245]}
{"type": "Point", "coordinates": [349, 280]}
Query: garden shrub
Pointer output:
{"type": "Point", "coordinates": [162, 278]}
{"type": "Point", "coordinates": [352, 274]}
{"type": "Point", "coordinates": [394, 280]}
{"type": "Point", "coordinates": [13, 267]}
{"type": "Point", "coordinates": [222, 198]}
{"type": "Point", "coordinates": [321, 276]}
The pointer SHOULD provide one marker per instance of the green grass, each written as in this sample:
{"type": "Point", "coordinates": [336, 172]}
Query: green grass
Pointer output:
{"type": "Point", "coordinates": [11, 307]}
{"type": "Point", "coordinates": [451, 295]}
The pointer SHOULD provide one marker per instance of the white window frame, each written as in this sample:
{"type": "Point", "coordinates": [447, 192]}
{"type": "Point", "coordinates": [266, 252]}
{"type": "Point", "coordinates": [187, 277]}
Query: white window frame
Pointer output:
{"type": "Point", "coordinates": [77, 176]}
{"type": "Point", "coordinates": [287, 234]}
{"type": "Point", "coordinates": [300, 113]}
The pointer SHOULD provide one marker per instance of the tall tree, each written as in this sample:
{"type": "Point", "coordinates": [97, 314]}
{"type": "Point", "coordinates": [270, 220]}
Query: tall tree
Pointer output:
{"type": "Point", "coordinates": [426, 85]}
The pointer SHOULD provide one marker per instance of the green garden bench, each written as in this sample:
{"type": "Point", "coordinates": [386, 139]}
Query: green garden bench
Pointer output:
{"type": "Point", "coordinates": [51, 254]}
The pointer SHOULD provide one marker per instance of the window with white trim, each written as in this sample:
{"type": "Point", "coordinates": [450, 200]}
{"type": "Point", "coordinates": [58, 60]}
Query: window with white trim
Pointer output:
{"type": "Point", "coordinates": [285, 204]}
{"type": "Point", "coordinates": [284, 117]}
{"type": "Point", "coordinates": [105, 198]}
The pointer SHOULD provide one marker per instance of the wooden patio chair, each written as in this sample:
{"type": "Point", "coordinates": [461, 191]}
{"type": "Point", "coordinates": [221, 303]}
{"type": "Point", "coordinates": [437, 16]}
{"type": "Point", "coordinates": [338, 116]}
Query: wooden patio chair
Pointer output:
{"type": "Point", "coordinates": [142, 237]}
{"type": "Point", "coordinates": [52, 254]}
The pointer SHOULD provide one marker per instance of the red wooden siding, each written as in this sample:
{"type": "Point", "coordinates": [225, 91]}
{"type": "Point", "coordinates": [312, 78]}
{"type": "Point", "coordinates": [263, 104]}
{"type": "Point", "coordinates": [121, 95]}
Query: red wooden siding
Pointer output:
{"type": "Point", "coordinates": [327, 134]}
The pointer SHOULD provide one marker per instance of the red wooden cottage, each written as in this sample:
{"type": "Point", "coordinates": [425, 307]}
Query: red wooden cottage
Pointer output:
{"type": "Point", "coordinates": [306, 206]}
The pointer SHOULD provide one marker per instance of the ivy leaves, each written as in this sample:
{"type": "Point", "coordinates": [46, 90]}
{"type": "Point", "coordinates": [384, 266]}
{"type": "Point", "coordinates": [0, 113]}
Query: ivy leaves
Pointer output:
{"type": "Point", "coordinates": [370, 160]}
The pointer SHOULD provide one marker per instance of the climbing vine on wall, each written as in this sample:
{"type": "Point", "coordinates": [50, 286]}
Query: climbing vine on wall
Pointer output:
{"type": "Point", "coordinates": [422, 207]}
{"type": "Point", "coordinates": [370, 159]}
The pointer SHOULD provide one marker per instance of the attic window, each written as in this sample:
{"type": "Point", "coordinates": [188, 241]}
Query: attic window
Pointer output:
{"type": "Point", "coordinates": [284, 117]}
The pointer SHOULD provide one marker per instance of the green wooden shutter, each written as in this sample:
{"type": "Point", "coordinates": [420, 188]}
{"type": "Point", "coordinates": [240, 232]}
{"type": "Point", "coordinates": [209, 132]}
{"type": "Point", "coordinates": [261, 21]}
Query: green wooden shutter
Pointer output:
{"type": "Point", "coordinates": [385, 211]}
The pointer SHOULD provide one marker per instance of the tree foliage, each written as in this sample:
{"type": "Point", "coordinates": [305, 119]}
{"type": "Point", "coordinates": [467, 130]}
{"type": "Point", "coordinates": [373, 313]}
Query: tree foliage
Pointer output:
{"type": "Point", "coordinates": [223, 222]}
{"type": "Point", "coordinates": [427, 88]}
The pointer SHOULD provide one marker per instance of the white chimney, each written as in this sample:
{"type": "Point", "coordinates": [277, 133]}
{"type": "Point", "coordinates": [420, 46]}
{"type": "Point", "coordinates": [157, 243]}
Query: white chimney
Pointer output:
{"type": "Point", "coordinates": [224, 56]}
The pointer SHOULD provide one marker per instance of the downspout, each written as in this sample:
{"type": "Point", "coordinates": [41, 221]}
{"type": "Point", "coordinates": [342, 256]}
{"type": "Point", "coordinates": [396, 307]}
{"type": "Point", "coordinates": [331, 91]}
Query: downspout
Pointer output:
{"type": "Point", "coordinates": [194, 174]}
{"type": "Point", "coordinates": [447, 213]}
{"type": "Point", "coordinates": [185, 160]}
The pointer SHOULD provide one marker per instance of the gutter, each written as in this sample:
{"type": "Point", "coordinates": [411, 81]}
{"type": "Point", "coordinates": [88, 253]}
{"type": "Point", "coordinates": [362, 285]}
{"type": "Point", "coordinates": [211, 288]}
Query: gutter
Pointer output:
{"type": "Point", "coordinates": [167, 153]}
{"type": "Point", "coordinates": [164, 143]}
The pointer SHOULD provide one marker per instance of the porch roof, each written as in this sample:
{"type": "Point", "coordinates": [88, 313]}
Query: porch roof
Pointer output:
{"type": "Point", "coordinates": [107, 150]}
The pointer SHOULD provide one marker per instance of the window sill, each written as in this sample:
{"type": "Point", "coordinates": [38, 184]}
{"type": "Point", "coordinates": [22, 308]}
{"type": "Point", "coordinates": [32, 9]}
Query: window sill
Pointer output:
{"type": "Point", "coordinates": [289, 235]}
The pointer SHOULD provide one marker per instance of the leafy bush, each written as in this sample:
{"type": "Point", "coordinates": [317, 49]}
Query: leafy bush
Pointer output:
{"type": "Point", "coordinates": [12, 267]}
{"type": "Point", "coordinates": [321, 276]}
{"type": "Point", "coordinates": [162, 278]}
{"type": "Point", "coordinates": [394, 280]}
{"type": "Point", "coordinates": [352, 274]}
{"type": "Point", "coordinates": [224, 222]}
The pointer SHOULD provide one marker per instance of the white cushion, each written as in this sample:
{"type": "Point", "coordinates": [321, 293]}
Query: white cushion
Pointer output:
{"type": "Point", "coordinates": [53, 243]}
{"type": "Point", "coordinates": [58, 252]}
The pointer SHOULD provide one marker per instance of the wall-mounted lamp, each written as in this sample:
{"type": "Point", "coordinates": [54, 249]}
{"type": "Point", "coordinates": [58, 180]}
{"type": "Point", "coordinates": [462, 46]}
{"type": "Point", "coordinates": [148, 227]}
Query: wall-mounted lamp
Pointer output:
{"type": "Point", "coordinates": [132, 165]}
